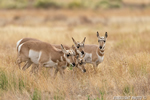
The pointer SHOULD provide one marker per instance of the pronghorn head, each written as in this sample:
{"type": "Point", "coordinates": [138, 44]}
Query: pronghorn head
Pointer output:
{"type": "Point", "coordinates": [68, 55]}
{"type": "Point", "coordinates": [79, 46]}
{"type": "Point", "coordinates": [102, 41]}
{"type": "Point", "coordinates": [80, 62]}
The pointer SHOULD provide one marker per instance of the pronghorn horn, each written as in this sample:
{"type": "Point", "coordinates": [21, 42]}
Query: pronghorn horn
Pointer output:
{"type": "Point", "coordinates": [106, 34]}
{"type": "Point", "coordinates": [84, 40]}
{"type": "Point", "coordinates": [73, 47]}
{"type": "Point", "coordinates": [98, 35]}
{"type": "Point", "coordinates": [62, 46]}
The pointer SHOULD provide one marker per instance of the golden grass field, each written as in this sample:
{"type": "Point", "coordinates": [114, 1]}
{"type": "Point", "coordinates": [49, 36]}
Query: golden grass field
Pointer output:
{"type": "Point", "coordinates": [125, 70]}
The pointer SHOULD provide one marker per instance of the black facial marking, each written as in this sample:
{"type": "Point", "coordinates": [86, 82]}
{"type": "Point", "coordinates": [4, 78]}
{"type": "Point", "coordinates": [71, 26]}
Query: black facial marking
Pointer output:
{"type": "Point", "coordinates": [100, 47]}
{"type": "Point", "coordinates": [80, 63]}
{"type": "Point", "coordinates": [78, 46]}
{"type": "Point", "coordinates": [82, 52]}
{"type": "Point", "coordinates": [67, 55]}
{"type": "Point", "coordinates": [73, 64]}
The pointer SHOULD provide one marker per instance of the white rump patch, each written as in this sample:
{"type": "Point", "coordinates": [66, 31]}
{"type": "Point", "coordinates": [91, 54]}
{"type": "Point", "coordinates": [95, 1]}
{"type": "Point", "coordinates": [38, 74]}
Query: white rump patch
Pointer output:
{"type": "Point", "coordinates": [19, 48]}
{"type": "Point", "coordinates": [18, 43]}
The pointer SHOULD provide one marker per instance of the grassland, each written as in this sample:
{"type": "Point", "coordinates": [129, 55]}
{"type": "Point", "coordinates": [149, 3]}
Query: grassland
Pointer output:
{"type": "Point", "coordinates": [125, 70]}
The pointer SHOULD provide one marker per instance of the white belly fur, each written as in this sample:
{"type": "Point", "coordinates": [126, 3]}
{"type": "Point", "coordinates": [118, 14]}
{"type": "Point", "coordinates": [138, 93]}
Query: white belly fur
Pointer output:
{"type": "Point", "coordinates": [34, 56]}
{"type": "Point", "coordinates": [100, 58]}
{"type": "Point", "coordinates": [50, 63]}
{"type": "Point", "coordinates": [88, 57]}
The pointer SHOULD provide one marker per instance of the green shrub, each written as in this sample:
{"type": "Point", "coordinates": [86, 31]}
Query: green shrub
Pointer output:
{"type": "Point", "coordinates": [36, 95]}
{"type": "Point", "coordinates": [108, 4]}
{"type": "Point", "coordinates": [12, 4]}
{"type": "Point", "coordinates": [3, 81]}
{"type": "Point", "coordinates": [126, 90]}
{"type": "Point", "coordinates": [75, 4]}
{"type": "Point", "coordinates": [46, 4]}
{"type": "Point", "coordinates": [21, 84]}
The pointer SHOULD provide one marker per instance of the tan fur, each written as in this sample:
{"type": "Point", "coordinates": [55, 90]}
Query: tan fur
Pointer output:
{"type": "Point", "coordinates": [94, 50]}
{"type": "Point", "coordinates": [28, 63]}
{"type": "Point", "coordinates": [48, 51]}
{"type": "Point", "coordinates": [60, 66]}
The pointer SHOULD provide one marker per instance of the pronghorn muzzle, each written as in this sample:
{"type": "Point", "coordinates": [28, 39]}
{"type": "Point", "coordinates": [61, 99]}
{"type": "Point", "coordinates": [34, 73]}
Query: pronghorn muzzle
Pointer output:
{"type": "Point", "coordinates": [73, 64]}
{"type": "Point", "coordinates": [84, 70]}
{"type": "Point", "coordinates": [82, 52]}
{"type": "Point", "coordinates": [100, 47]}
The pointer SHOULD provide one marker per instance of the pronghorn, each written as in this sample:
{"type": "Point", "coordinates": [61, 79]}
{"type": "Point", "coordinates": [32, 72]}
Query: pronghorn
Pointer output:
{"type": "Point", "coordinates": [28, 63]}
{"type": "Point", "coordinates": [61, 65]}
{"type": "Point", "coordinates": [78, 46]}
{"type": "Point", "coordinates": [43, 54]}
{"type": "Point", "coordinates": [93, 54]}
{"type": "Point", "coordinates": [79, 59]}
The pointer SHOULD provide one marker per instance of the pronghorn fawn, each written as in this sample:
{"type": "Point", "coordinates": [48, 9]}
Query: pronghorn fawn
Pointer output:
{"type": "Point", "coordinates": [43, 54]}
{"type": "Point", "coordinates": [62, 65]}
{"type": "Point", "coordinates": [94, 54]}
{"type": "Point", "coordinates": [79, 59]}
{"type": "Point", "coordinates": [79, 47]}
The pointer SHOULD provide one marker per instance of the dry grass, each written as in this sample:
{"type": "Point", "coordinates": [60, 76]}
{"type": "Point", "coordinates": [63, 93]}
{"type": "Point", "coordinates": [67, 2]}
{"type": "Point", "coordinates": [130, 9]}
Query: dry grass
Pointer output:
{"type": "Point", "coordinates": [125, 70]}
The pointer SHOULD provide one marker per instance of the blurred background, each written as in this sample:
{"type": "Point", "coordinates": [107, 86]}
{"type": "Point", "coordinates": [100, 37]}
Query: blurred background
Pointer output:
{"type": "Point", "coordinates": [125, 70]}
{"type": "Point", "coordinates": [73, 12]}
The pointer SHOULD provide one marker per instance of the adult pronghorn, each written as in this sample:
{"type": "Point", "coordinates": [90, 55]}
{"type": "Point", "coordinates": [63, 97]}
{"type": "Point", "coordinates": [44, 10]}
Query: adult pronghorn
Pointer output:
{"type": "Point", "coordinates": [43, 54]}
{"type": "Point", "coordinates": [28, 63]}
{"type": "Point", "coordinates": [94, 54]}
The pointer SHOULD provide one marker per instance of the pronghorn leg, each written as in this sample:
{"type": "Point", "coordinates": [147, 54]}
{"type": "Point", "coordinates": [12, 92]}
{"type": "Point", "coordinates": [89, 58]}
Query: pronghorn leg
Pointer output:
{"type": "Point", "coordinates": [61, 71]}
{"type": "Point", "coordinates": [95, 66]}
{"type": "Point", "coordinates": [34, 68]}
{"type": "Point", "coordinates": [56, 71]}
{"type": "Point", "coordinates": [27, 65]}
{"type": "Point", "coordinates": [18, 62]}
{"type": "Point", "coordinates": [39, 68]}
{"type": "Point", "coordinates": [50, 70]}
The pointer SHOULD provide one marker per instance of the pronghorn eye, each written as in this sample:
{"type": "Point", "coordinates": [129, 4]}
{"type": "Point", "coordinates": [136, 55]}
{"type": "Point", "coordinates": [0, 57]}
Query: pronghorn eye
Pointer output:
{"type": "Point", "coordinates": [77, 46]}
{"type": "Point", "coordinates": [67, 55]}
{"type": "Point", "coordinates": [104, 41]}
{"type": "Point", "coordinates": [98, 40]}
{"type": "Point", "coordinates": [80, 63]}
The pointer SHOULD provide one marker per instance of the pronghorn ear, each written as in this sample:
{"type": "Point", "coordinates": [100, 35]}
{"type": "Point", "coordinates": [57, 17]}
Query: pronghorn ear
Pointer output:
{"type": "Point", "coordinates": [84, 40]}
{"type": "Point", "coordinates": [106, 35]}
{"type": "Point", "coordinates": [74, 41]}
{"type": "Point", "coordinates": [73, 47]}
{"type": "Point", "coordinates": [63, 49]}
{"type": "Point", "coordinates": [98, 35]}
